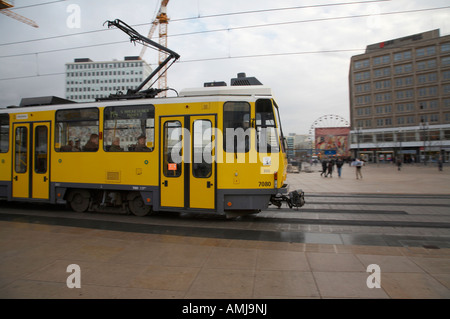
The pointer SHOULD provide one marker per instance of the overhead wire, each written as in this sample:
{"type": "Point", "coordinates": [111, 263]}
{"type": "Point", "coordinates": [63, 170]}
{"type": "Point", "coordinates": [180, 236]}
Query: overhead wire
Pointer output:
{"type": "Point", "coordinates": [220, 58]}
{"type": "Point", "coordinates": [226, 29]}
{"type": "Point", "coordinates": [36, 5]}
{"type": "Point", "coordinates": [278, 9]}
{"type": "Point", "coordinates": [198, 17]}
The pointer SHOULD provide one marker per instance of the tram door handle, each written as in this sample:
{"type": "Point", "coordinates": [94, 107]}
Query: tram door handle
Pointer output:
{"type": "Point", "coordinates": [16, 178]}
{"type": "Point", "coordinates": [165, 183]}
{"type": "Point", "coordinates": [208, 184]}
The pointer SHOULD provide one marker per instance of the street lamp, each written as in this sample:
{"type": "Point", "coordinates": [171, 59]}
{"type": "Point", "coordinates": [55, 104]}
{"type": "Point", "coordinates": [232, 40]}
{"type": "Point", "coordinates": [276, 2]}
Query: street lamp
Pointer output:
{"type": "Point", "coordinates": [424, 128]}
{"type": "Point", "coordinates": [358, 133]}
{"type": "Point", "coordinates": [399, 139]}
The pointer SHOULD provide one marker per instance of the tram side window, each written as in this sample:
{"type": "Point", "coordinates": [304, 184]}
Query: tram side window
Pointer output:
{"type": "Point", "coordinates": [266, 131]}
{"type": "Point", "coordinates": [236, 127]}
{"type": "Point", "coordinates": [77, 130]}
{"type": "Point", "coordinates": [4, 133]}
{"type": "Point", "coordinates": [129, 128]}
{"type": "Point", "coordinates": [202, 148]}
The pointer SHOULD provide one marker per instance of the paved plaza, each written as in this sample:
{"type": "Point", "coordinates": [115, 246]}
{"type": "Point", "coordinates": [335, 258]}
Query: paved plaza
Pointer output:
{"type": "Point", "coordinates": [115, 264]}
{"type": "Point", "coordinates": [377, 179]}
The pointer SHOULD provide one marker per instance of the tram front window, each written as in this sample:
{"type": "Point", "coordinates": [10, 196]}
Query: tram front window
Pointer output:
{"type": "Point", "coordinates": [266, 131]}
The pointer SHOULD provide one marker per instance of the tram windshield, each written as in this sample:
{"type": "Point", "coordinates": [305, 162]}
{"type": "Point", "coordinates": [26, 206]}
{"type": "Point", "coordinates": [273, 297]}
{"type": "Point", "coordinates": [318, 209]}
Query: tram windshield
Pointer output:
{"type": "Point", "coordinates": [280, 129]}
{"type": "Point", "coordinates": [266, 131]}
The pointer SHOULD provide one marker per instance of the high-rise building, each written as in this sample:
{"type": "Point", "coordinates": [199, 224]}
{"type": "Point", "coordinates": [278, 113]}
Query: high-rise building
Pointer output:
{"type": "Point", "coordinates": [400, 99]}
{"type": "Point", "coordinates": [298, 146]}
{"type": "Point", "coordinates": [87, 80]}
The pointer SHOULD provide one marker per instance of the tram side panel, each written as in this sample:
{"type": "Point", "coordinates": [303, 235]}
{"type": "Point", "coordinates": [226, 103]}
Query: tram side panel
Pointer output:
{"type": "Point", "coordinates": [118, 169]}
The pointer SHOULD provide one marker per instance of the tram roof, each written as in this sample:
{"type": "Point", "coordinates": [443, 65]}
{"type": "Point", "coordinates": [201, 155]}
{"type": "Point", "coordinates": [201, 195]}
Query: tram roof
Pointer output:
{"type": "Point", "coordinates": [201, 93]}
{"type": "Point", "coordinates": [249, 90]}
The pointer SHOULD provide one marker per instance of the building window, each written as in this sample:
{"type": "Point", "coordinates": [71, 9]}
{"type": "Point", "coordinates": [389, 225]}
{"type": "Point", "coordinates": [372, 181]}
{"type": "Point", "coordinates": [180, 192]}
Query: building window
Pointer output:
{"type": "Point", "coordinates": [446, 89]}
{"type": "Point", "coordinates": [445, 47]}
{"type": "Point", "coordinates": [362, 76]}
{"type": "Point", "coordinates": [411, 119]}
{"type": "Point", "coordinates": [381, 59]}
{"type": "Point", "coordinates": [447, 120]}
{"type": "Point", "coordinates": [445, 60]}
{"type": "Point", "coordinates": [405, 68]}
{"type": "Point", "coordinates": [434, 118]}
{"type": "Point", "coordinates": [420, 52]}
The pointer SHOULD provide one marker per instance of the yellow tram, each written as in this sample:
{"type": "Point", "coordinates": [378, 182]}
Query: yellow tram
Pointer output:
{"type": "Point", "coordinates": [213, 148]}
{"type": "Point", "coordinates": [210, 149]}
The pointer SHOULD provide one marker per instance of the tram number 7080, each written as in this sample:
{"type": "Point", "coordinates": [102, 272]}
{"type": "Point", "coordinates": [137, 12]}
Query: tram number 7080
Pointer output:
{"type": "Point", "coordinates": [265, 184]}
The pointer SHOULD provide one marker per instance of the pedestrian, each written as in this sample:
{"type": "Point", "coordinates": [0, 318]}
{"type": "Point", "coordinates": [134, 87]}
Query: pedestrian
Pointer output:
{"type": "Point", "coordinates": [339, 164]}
{"type": "Point", "coordinates": [324, 168]}
{"type": "Point", "coordinates": [330, 168]}
{"type": "Point", "coordinates": [358, 164]}
{"type": "Point", "coordinates": [440, 163]}
{"type": "Point", "coordinates": [399, 164]}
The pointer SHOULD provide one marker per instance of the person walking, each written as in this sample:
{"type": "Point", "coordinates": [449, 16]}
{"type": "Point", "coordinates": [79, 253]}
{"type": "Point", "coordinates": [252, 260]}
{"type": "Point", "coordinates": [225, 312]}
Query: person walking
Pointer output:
{"type": "Point", "coordinates": [339, 164]}
{"type": "Point", "coordinates": [330, 168]}
{"type": "Point", "coordinates": [358, 164]}
{"type": "Point", "coordinates": [324, 168]}
{"type": "Point", "coordinates": [399, 164]}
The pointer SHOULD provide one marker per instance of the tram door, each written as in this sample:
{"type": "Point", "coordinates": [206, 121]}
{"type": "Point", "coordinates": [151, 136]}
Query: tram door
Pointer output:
{"type": "Point", "coordinates": [187, 162]}
{"type": "Point", "coordinates": [202, 168]}
{"type": "Point", "coordinates": [172, 162]}
{"type": "Point", "coordinates": [31, 160]}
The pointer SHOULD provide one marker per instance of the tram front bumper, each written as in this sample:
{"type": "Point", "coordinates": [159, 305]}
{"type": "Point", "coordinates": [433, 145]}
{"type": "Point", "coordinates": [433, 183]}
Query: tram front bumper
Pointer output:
{"type": "Point", "coordinates": [294, 198]}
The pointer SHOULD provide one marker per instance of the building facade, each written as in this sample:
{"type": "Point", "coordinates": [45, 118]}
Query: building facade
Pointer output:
{"type": "Point", "coordinates": [400, 99]}
{"type": "Point", "coordinates": [298, 147]}
{"type": "Point", "coordinates": [87, 80]}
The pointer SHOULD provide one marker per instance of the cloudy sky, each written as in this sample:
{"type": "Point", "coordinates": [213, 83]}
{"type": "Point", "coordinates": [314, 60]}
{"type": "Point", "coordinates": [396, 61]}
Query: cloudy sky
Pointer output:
{"type": "Point", "coordinates": [301, 49]}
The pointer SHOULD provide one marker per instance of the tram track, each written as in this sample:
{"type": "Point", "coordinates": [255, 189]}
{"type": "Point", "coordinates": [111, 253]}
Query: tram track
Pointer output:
{"type": "Point", "coordinates": [319, 220]}
{"type": "Point", "coordinates": [222, 228]}
{"type": "Point", "coordinates": [195, 220]}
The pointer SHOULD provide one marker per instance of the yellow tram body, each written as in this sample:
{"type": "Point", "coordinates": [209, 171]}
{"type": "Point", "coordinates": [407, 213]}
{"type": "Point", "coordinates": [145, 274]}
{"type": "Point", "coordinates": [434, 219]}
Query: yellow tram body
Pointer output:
{"type": "Point", "coordinates": [212, 149]}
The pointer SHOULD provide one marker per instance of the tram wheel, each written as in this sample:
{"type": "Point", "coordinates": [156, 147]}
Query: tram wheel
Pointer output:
{"type": "Point", "coordinates": [138, 207]}
{"type": "Point", "coordinates": [79, 201]}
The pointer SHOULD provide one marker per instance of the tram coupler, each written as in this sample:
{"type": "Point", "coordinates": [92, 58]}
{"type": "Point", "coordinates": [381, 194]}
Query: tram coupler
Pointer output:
{"type": "Point", "coordinates": [293, 199]}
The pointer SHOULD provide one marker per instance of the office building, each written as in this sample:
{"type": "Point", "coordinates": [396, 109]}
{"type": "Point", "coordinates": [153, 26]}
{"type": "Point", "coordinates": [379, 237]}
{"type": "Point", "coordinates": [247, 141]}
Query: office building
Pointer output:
{"type": "Point", "coordinates": [400, 99]}
{"type": "Point", "coordinates": [87, 80]}
{"type": "Point", "coordinates": [298, 146]}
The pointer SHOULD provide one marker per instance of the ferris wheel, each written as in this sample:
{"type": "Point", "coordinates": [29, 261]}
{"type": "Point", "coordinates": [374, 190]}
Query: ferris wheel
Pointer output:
{"type": "Point", "coordinates": [329, 120]}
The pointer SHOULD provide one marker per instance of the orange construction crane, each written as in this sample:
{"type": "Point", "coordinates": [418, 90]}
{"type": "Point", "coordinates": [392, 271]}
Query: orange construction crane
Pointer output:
{"type": "Point", "coordinates": [162, 20]}
{"type": "Point", "coordinates": [4, 8]}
